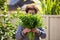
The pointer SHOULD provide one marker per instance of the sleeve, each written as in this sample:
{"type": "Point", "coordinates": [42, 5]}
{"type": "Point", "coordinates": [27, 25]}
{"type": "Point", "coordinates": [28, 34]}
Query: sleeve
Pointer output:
{"type": "Point", "coordinates": [42, 33]}
{"type": "Point", "coordinates": [19, 34]}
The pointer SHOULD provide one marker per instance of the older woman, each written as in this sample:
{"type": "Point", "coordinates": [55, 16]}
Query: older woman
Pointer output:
{"type": "Point", "coordinates": [21, 33]}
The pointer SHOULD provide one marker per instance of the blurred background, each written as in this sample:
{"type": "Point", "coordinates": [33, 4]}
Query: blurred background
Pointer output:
{"type": "Point", "coordinates": [49, 10]}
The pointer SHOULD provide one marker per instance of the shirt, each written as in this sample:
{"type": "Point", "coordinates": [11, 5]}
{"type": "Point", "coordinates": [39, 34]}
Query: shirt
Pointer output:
{"type": "Point", "coordinates": [21, 36]}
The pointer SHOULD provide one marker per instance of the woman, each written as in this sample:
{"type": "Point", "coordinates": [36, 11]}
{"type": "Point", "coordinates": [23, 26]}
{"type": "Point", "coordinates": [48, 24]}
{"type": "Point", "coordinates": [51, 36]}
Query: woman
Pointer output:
{"type": "Point", "coordinates": [21, 33]}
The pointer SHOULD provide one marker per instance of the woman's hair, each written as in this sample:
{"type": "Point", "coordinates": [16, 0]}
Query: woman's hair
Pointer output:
{"type": "Point", "coordinates": [31, 7]}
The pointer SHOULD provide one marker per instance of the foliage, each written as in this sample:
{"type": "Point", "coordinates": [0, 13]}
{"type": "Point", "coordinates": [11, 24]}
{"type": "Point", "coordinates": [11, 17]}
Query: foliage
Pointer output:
{"type": "Point", "coordinates": [50, 7]}
{"type": "Point", "coordinates": [31, 21]}
{"type": "Point", "coordinates": [7, 29]}
{"type": "Point", "coordinates": [2, 2]}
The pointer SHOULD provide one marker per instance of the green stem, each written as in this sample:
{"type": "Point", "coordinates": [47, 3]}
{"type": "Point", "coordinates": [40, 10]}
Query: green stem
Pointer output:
{"type": "Point", "coordinates": [31, 35]}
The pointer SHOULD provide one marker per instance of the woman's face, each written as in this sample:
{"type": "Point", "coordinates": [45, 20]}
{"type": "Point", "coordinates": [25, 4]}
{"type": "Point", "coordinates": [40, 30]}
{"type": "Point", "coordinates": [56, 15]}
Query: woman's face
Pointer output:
{"type": "Point", "coordinates": [31, 11]}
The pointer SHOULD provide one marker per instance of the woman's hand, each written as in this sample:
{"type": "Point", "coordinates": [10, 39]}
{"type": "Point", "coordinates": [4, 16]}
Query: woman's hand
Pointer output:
{"type": "Point", "coordinates": [26, 30]}
{"type": "Point", "coordinates": [35, 30]}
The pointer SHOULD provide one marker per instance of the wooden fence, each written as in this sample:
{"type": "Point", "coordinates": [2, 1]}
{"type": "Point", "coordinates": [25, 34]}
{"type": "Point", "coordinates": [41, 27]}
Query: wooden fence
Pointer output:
{"type": "Point", "coordinates": [53, 27]}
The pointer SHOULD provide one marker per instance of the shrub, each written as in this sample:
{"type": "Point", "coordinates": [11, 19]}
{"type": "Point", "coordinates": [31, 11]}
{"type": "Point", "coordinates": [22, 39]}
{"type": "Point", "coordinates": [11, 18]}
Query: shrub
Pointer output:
{"type": "Point", "coordinates": [2, 2]}
{"type": "Point", "coordinates": [50, 7]}
{"type": "Point", "coordinates": [7, 28]}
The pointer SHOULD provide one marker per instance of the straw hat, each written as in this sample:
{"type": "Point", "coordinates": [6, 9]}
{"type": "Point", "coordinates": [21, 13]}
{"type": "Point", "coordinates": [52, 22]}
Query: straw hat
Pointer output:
{"type": "Point", "coordinates": [23, 8]}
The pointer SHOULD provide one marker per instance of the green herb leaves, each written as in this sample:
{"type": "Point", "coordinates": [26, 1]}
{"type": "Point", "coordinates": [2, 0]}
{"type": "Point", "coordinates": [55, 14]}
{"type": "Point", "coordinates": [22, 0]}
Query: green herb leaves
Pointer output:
{"type": "Point", "coordinates": [31, 21]}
